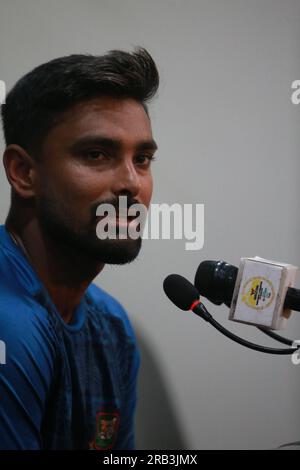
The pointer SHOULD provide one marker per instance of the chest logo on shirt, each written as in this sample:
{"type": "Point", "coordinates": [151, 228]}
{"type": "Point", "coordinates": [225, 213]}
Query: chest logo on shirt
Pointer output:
{"type": "Point", "coordinates": [107, 425]}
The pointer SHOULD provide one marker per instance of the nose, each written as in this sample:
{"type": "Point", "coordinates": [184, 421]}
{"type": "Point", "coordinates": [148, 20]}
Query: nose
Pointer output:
{"type": "Point", "coordinates": [127, 180]}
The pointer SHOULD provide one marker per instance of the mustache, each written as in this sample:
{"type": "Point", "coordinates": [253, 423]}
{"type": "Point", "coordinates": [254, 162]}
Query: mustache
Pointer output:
{"type": "Point", "coordinates": [114, 202]}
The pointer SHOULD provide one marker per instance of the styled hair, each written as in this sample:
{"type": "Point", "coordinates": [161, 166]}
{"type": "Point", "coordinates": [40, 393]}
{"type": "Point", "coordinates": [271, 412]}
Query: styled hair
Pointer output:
{"type": "Point", "coordinates": [35, 103]}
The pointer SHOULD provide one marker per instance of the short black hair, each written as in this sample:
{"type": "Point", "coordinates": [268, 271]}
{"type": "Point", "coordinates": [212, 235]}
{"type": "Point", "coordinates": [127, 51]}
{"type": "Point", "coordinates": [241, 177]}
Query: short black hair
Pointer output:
{"type": "Point", "coordinates": [34, 104]}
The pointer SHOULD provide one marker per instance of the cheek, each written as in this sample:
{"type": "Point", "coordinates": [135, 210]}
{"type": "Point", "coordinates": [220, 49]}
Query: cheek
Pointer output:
{"type": "Point", "coordinates": [77, 185]}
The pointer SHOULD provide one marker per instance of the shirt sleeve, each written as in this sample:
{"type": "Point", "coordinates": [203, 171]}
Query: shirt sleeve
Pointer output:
{"type": "Point", "coordinates": [26, 372]}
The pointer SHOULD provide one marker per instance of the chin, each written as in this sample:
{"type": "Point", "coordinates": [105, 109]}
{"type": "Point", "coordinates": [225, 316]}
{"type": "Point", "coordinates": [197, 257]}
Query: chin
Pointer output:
{"type": "Point", "coordinates": [117, 251]}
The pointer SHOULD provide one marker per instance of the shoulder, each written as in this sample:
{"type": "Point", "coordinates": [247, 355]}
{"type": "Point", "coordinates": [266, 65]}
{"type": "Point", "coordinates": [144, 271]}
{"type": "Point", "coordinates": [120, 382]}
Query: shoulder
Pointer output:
{"type": "Point", "coordinates": [27, 334]}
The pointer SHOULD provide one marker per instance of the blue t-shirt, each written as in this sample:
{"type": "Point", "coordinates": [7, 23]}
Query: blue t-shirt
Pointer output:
{"type": "Point", "coordinates": [62, 386]}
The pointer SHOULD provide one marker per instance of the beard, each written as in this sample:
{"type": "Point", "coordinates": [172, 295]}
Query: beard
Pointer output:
{"type": "Point", "coordinates": [61, 225]}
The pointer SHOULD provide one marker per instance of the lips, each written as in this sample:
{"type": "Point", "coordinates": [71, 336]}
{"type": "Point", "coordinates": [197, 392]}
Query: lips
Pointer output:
{"type": "Point", "coordinates": [124, 217]}
{"type": "Point", "coordinates": [119, 216]}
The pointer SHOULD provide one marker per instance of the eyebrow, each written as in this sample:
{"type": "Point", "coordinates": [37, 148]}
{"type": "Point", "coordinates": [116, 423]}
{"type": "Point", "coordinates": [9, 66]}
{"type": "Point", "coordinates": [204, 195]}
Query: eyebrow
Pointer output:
{"type": "Point", "coordinates": [112, 144]}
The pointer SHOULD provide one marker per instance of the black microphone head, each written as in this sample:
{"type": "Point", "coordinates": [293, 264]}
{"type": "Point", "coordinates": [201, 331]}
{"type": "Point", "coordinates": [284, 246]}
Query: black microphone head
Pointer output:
{"type": "Point", "coordinates": [205, 278]}
{"type": "Point", "coordinates": [215, 280]}
{"type": "Point", "coordinates": [180, 291]}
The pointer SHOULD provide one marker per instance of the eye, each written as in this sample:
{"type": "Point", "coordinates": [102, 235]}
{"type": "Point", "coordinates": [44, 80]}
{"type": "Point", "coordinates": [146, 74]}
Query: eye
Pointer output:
{"type": "Point", "coordinates": [96, 154]}
{"type": "Point", "coordinates": [144, 160]}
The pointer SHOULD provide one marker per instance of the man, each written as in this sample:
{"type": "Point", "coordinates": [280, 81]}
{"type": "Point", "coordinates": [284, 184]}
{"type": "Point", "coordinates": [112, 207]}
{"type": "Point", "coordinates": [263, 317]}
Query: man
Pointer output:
{"type": "Point", "coordinates": [78, 135]}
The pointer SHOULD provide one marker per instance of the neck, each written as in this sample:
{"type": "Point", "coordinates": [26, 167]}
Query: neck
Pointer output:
{"type": "Point", "coordinates": [65, 273]}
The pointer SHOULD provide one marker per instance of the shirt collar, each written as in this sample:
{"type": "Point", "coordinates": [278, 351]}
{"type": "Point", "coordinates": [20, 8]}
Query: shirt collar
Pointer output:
{"type": "Point", "coordinates": [25, 275]}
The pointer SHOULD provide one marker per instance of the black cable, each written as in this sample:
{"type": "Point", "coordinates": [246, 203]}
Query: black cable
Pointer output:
{"type": "Point", "coordinates": [247, 344]}
{"type": "Point", "coordinates": [203, 313]}
{"type": "Point", "coordinates": [273, 335]}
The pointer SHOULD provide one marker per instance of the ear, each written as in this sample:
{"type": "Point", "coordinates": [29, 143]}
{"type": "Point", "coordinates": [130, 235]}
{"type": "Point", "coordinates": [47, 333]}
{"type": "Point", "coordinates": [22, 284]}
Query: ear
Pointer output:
{"type": "Point", "coordinates": [20, 170]}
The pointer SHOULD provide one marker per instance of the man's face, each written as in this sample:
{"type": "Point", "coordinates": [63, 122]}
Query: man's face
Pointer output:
{"type": "Point", "coordinates": [100, 150]}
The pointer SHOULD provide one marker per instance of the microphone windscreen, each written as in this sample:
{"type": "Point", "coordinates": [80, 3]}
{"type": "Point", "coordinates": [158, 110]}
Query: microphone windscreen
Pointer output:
{"type": "Point", "coordinates": [205, 278]}
{"type": "Point", "coordinates": [180, 291]}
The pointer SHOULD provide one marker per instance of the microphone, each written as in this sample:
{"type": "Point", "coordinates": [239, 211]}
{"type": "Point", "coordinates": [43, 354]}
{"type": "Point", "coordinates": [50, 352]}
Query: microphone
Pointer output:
{"type": "Point", "coordinates": [186, 297]}
{"type": "Point", "coordinates": [216, 280]}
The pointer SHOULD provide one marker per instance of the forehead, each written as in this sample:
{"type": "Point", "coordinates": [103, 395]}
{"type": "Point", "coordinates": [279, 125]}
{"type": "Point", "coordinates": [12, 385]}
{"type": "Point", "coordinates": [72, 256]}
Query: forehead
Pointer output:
{"type": "Point", "coordinates": [123, 118]}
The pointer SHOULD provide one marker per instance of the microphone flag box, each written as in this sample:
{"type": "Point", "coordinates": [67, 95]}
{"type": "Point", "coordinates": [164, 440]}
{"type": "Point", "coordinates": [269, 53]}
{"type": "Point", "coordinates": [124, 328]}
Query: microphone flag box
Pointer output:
{"type": "Point", "coordinates": [260, 291]}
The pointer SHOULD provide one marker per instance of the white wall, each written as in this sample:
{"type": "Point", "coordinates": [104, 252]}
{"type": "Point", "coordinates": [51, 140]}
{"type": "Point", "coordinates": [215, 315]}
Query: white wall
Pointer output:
{"type": "Point", "coordinates": [228, 137]}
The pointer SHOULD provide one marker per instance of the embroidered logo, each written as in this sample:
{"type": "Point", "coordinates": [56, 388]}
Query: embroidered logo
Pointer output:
{"type": "Point", "coordinates": [107, 425]}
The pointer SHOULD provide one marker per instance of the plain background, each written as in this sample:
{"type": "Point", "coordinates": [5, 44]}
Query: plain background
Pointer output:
{"type": "Point", "coordinates": [228, 137]}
